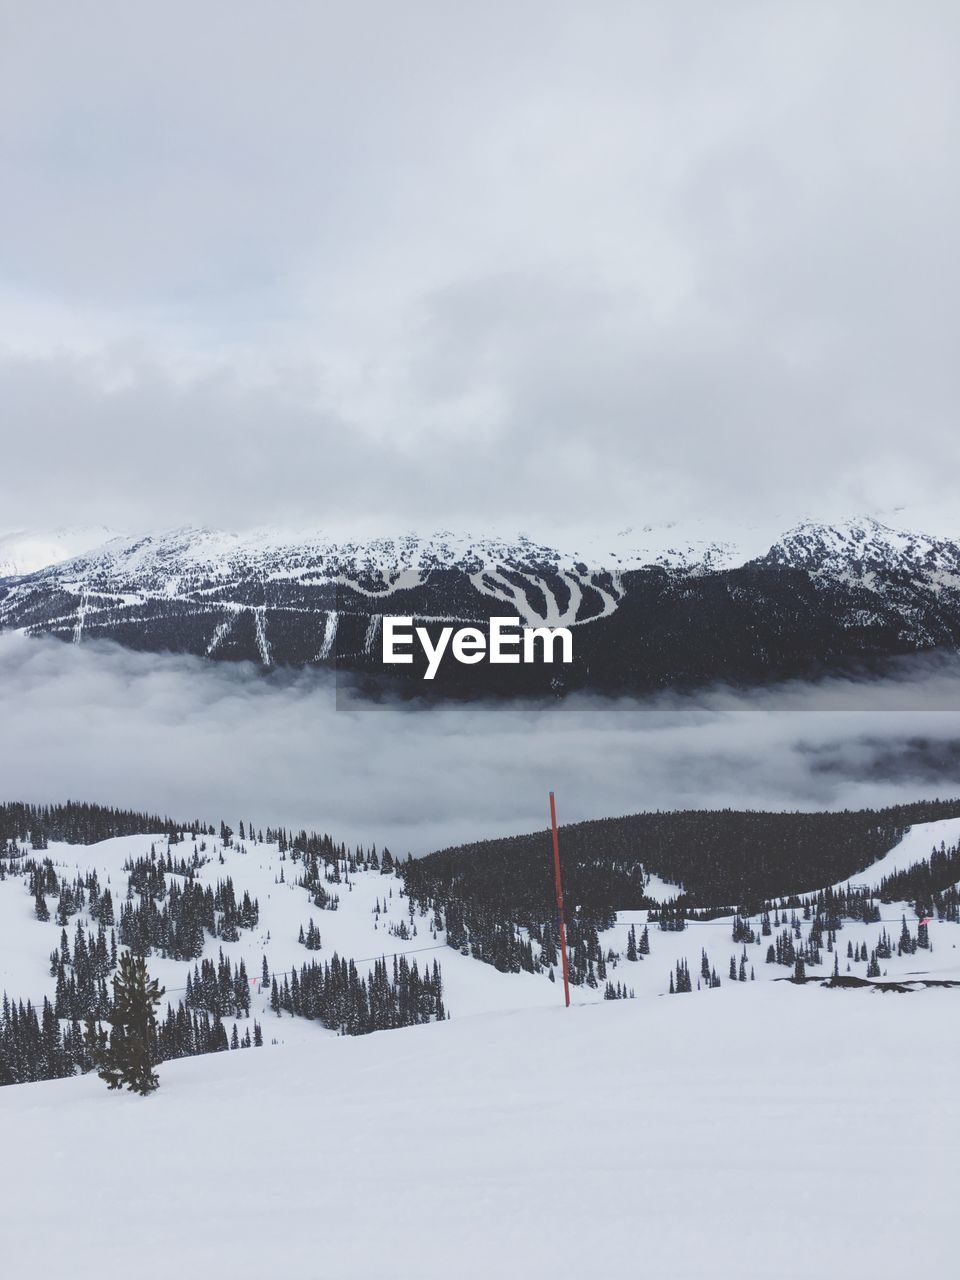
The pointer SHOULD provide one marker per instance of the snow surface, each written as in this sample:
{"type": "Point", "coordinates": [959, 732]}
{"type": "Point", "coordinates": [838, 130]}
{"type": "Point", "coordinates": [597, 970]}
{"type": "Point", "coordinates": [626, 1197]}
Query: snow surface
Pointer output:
{"type": "Point", "coordinates": [356, 931]}
{"type": "Point", "coordinates": [916, 846]}
{"type": "Point", "coordinates": [781, 1132]}
{"type": "Point", "coordinates": [752, 1130]}
{"type": "Point", "coordinates": [544, 586]}
{"type": "Point", "coordinates": [27, 550]}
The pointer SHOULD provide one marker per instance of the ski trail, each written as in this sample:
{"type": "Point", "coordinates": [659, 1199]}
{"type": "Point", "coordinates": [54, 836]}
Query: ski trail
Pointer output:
{"type": "Point", "coordinates": [373, 626]}
{"type": "Point", "coordinates": [221, 633]}
{"type": "Point", "coordinates": [329, 635]}
{"type": "Point", "coordinates": [81, 616]}
{"type": "Point", "coordinates": [610, 596]}
{"type": "Point", "coordinates": [259, 617]}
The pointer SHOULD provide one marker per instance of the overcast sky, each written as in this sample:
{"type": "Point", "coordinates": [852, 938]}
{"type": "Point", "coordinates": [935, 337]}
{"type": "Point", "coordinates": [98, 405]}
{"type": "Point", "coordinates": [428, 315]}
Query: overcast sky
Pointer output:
{"type": "Point", "coordinates": [533, 265]}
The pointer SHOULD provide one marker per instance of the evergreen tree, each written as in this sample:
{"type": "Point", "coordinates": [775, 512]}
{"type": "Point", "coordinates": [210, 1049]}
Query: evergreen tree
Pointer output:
{"type": "Point", "coordinates": [128, 1057]}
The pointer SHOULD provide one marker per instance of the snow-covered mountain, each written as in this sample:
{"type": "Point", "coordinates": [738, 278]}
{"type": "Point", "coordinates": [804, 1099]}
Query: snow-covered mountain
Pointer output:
{"type": "Point", "coordinates": [24, 551]}
{"type": "Point", "coordinates": [863, 549]}
{"type": "Point", "coordinates": [651, 608]}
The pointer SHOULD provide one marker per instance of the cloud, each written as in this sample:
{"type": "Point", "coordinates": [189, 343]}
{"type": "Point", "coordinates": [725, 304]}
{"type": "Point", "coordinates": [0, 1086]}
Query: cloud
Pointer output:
{"type": "Point", "coordinates": [509, 265]}
{"type": "Point", "coordinates": [189, 738]}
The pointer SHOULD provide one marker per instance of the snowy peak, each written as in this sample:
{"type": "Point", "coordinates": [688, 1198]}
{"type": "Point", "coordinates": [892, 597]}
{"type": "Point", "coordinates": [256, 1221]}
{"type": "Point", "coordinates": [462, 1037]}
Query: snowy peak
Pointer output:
{"type": "Point", "coordinates": [198, 554]}
{"type": "Point", "coordinates": [653, 608]}
{"type": "Point", "coordinates": [25, 551]}
{"type": "Point", "coordinates": [863, 547]}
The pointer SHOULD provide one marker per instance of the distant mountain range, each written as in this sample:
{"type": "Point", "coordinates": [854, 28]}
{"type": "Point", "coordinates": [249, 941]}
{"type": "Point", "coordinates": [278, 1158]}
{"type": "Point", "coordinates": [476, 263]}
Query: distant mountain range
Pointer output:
{"type": "Point", "coordinates": [821, 597]}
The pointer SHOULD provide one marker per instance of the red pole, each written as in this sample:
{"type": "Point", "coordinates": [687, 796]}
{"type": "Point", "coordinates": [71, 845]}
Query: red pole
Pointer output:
{"type": "Point", "coordinates": [559, 886]}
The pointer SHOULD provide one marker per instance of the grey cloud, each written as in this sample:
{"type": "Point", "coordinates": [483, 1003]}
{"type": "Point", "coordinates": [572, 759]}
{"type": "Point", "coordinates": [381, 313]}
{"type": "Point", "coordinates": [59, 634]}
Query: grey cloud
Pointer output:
{"type": "Point", "coordinates": [178, 735]}
{"type": "Point", "coordinates": [522, 263]}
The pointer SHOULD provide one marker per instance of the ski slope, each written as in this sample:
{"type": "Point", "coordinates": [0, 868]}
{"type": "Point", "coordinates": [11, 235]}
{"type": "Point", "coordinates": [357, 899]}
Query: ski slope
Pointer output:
{"type": "Point", "coordinates": [753, 1129]}
{"type": "Point", "coordinates": [792, 1131]}
{"type": "Point", "coordinates": [353, 930]}
{"type": "Point", "coordinates": [357, 930]}
{"type": "Point", "coordinates": [915, 847]}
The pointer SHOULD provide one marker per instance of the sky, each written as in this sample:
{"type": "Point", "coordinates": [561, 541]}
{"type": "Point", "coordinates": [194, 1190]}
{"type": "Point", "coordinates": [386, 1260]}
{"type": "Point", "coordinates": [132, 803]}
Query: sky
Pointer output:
{"type": "Point", "coordinates": [535, 265]}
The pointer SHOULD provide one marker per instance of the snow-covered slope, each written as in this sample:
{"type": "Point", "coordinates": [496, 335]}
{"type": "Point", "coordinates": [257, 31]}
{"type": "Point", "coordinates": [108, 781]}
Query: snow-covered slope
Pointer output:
{"type": "Point", "coordinates": [175, 561]}
{"type": "Point", "coordinates": [354, 930]}
{"type": "Point", "coordinates": [25, 551]}
{"type": "Point", "coordinates": [866, 551]}
{"type": "Point", "coordinates": [652, 608]}
{"type": "Point", "coordinates": [699, 1137]}
{"type": "Point", "coordinates": [765, 1132]}
{"type": "Point", "coordinates": [916, 846]}
{"type": "Point", "coordinates": [375, 919]}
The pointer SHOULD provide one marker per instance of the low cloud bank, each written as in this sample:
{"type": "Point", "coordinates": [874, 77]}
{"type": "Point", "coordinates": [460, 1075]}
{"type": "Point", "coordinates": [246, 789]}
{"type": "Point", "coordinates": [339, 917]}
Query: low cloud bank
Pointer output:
{"type": "Point", "coordinates": [189, 738]}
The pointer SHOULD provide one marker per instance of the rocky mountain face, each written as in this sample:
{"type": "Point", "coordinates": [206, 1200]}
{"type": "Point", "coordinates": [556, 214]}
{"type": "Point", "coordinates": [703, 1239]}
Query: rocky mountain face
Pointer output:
{"type": "Point", "coordinates": [819, 598]}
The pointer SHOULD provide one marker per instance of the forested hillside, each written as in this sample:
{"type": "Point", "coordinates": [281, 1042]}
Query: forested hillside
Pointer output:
{"type": "Point", "coordinates": [716, 859]}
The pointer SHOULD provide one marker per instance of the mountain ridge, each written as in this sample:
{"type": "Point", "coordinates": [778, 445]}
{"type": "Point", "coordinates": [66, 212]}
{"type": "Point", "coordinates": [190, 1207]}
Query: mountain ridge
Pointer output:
{"type": "Point", "coordinates": [819, 595]}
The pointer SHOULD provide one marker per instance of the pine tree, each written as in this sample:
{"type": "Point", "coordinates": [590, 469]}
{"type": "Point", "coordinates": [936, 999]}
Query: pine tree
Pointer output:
{"type": "Point", "coordinates": [128, 1057]}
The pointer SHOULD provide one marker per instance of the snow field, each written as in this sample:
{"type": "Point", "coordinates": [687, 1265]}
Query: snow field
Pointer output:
{"type": "Point", "coordinates": [791, 1131]}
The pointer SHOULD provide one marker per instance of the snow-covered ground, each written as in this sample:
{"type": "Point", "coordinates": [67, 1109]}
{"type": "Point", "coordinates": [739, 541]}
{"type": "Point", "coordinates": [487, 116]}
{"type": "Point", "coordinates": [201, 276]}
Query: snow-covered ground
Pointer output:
{"type": "Point", "coordinates": [915, 846]}
{"type": "Point", "coordinates": [356, 930]}
{"type": "Point", "coordinates": [775, 1131]}
{"type": "Point", "coordinates": [752, 1130]}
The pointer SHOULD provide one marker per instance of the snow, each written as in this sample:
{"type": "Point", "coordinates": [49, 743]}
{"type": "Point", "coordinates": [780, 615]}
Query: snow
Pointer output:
{"type": "Point", "coordinates": [384, 559]}
{"type": "Point", "coordinates": [542, 585]}
{"type": "Point", "coordinates": [659, 890]}
{"type": "Point", "coordinates": [795, 1128]}
{"type": "Point", "coordinates": [741, 1132]}
{"type": "Point", "coordinates": [27, 550]}
{"type": "Point", "coordinates": [353, 930]}
{"type": "Point", "coordinates": [916, 846]}
{"type": "Point", "coordinates": [470, 987]}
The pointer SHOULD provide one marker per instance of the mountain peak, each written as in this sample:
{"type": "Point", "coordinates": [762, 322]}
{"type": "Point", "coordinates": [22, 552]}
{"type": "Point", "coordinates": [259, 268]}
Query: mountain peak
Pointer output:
{"type": "Point", "coordinates": [24, 551]}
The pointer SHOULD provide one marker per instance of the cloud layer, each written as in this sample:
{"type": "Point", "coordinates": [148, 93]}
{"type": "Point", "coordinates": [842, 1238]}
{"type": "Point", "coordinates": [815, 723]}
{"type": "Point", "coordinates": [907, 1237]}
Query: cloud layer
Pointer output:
{"type": "Point", "coordinates": [177, 735]}
{"type": "Point", "coordinates": [513, 263]}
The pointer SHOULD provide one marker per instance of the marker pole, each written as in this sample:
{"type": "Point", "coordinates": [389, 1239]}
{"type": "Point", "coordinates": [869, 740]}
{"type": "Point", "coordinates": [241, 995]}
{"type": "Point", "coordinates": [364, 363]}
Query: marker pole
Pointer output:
{"type": "Point", "coordinates": [559, 888]}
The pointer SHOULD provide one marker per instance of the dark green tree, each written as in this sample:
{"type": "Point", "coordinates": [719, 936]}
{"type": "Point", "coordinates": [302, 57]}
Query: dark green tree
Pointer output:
{"type": "Point", "coordinates": [128, 1057]}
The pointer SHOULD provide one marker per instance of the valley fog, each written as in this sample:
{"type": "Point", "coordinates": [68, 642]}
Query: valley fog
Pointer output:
{"type": "Point", "coordinates": [182, 737]}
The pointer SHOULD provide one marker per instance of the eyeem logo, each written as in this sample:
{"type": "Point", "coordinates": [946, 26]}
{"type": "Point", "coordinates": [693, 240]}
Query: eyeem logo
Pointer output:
{"type": "Point", "coordinates": [507, 643]}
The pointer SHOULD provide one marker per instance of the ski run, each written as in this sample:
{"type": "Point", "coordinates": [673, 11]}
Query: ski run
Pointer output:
{"type": "Point", "coordinates": [757, 1129]}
